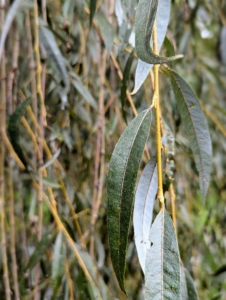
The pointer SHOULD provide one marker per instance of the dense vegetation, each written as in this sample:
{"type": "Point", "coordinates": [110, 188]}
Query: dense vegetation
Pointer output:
{"type": "Point", "coordinates": [67, 71]}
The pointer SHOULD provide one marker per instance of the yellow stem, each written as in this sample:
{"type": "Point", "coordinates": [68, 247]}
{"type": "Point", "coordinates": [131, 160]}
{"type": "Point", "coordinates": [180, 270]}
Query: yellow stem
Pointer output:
{"type": "Point", "coordinates": [158, 123]}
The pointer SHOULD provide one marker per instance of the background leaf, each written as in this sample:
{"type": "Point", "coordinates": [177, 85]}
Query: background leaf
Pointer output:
{"type": "Point", "coordinates": [58, 265]}
{"type": "Point", "coordinates": [195, 127]}
{"type": "Point", "coordinates": [162, 266]}
{"type": "Point", "coordinates": [125, 82]}
{"type": "Point", "coordinates": [92, 9]}
{"type": "Point", "coordinates": [39, 252]}
{"type": "Point", "coordinates": [106, 31]}
{"type": "Point", "coordinates": [143, 209]}
{"type": "Point", "coordinates": [49, 43]}
{"type": "Point", "coordinates": [8, 22]}
{"type": "Point", "coordinates": [144, 22]}
{"type": "Point", "coordinates": [77, 83]}
{"type": "Point", "coordinates": [13, 129]}
{"type": "Point", "coordinates": [121, 184]}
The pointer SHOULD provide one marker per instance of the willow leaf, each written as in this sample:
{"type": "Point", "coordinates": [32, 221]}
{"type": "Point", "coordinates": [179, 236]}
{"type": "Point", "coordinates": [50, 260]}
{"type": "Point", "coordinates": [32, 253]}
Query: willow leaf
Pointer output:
{"type": "Point", "coordinates": [121, 184]}
{"type": "Point", "coordinates": [195, 127]}
{"type": "Point", "coordinates": [13, 129]}
{"type": "Point", "coordinates": [83, 91]}
{"type": "Point", "coordinates": [162, 266]}
{"type": "Point", "coordinates": [125, 81]}
{"type": "Point", "coordinates": [92, 8]}
{"type": "Point", "coordinates": [98, 289]}
{"type": "Point", "coordinates": [11, 14]}
{"type": "Point", "coordinates": [162, 21]}
{"type": "Point", "coordinates": [191, 290]}
{"type": "Point", "coordinates": [49, 43]}
{"type": "Point", "coordinates": [106, 31]}
{"type": "Point", "coordinates": [143, 208]}
{"type": "Point", "coordinates": [145, 18]}
{"type": "Point", "coordinates": [58, 264]}
{"type": "Point", "coordinates": [40, 249]}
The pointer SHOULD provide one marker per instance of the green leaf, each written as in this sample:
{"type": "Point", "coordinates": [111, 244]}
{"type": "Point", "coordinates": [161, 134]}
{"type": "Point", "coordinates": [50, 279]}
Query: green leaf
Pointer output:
{"type": "Point", "coordinates": [92, 8]}
{"type": "Point", "coordinates": [58, 263]}
{"type": "Point", "coordinates": [47, 181]}
{"type": "Point", "coordinates": [145, 18]}
{"type": "Point", "coordinates": [162, 266]}
{"type": "Point", "coordinates": [77, 83]}
{"type": "Point", "coordinates": [121, 185]}
{"type": "Point", "coordinates": [195, 127]}
{"type": "Point", "coordinates": [40, 248]}
{"type": "Point", "coordinates": [8, 22]}
{"type": "Point", "coordinates": [143, 208]}
{"type": "Point", "coordinates": [49, 43]}
{"type": "Point", "coordinates": [95, 291]}
{"type": "Point", "coordinates": [125, 82]}
{"type": "Point", "coordinates": [13, 129]}
{"type": "Point", "coordinates": [191, 290]}
{"type": "Point", "coordinates": [106, 31]}
{"type": "Point", "coordinates": [162, 21]}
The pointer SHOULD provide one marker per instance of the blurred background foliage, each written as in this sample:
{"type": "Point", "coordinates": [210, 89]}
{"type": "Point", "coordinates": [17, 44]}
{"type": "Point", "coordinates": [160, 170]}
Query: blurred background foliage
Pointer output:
{"type": "Point", "coordinates": [83, 58]}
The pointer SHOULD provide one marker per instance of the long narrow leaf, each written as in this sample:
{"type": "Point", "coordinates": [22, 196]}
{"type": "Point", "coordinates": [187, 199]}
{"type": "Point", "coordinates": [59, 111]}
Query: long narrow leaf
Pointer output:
{"type": "Point", "coordinates": [8, 22]}
{"type": "Point", "coordinates": [77, 83]}
{"type": "Point", "coordinates": [125, 81]}
{"type": "Point", "coordinates": [143, 208]}
{"type": "Point", "coordinates": [122, 177]}
{"type": "Point", "coordinates": [92, 8]}
{"type": "Point", "coordinates": [49, 43]}
{"type": "Point", "coordinates": [162, 21]}
{"type": "Point", "coordinates": [195, 126]}
{"type": "Point", "coordinates": [145, 18]}
{"type": "Point", "coordinates": [58, 264]}
{"type": "Point", "coordinates": [106, 31]}
{"type": "Point", "coordinates": [191, 290]}
{"type": "Point", "coordinates": [162, 266]}
{"type": "Point", "coordinates": [13, 129]}
{"type": "Point", "coordinates": [39, 252]}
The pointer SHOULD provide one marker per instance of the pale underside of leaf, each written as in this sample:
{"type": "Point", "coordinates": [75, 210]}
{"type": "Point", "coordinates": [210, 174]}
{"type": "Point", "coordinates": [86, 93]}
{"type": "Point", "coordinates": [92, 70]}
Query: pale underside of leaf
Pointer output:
{"type": "Point", "coordinates": [58, 265]}
{"type": "Point", "coordinates": [8, 22]}
{"type": "Point", "coordinates": [162, 266]}
{"type": "Point", "coordinates": [122, 177]}
{"type": "Point", "coordinates": [195, 127]}
{"type": "Point", "coordinates": [162, 21]}
{"type": "Point", "coordinates": [143, 209]}
{"type": "Point", "coordinates": [144, 22]}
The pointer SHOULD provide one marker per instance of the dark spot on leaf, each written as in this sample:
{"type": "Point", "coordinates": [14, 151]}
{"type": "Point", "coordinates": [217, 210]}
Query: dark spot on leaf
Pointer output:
{"type": "Point", "coordinates": [191, 105]}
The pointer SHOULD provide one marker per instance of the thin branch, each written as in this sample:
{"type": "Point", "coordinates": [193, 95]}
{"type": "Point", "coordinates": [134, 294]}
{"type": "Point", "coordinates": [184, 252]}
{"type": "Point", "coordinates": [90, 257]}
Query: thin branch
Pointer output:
{"type": "Point", "coordinates": [2, 160]}
{"type": "Point", "coordinates": [10, 174]}
{"type": "Point", "coordinates": [42, 121]}
{"type": "Point", "coordinates": [99, 153]}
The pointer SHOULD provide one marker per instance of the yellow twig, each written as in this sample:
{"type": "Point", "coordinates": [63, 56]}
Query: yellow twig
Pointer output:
{"type": "Point", "coordinates": [158, 123]}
